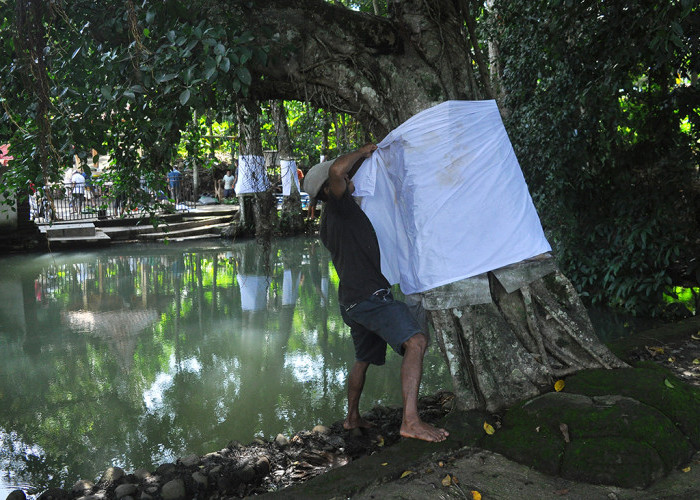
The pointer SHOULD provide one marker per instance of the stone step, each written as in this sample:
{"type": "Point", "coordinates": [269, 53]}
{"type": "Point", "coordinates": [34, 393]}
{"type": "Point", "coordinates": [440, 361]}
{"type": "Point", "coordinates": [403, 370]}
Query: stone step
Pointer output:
{"type": "Point", "coordinates": [214, 229]}
{"type": "Point", "coordinates": [71, 230]}
{"type": "Point", "coordinates": [134, 232]}
{"type": "Point", "coordinates": [99, 238]}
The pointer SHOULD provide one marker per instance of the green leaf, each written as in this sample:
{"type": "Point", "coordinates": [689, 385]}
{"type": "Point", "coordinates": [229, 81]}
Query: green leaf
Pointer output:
{"type": "Point", "coordinates": [106, 91]}
{"type": "Point", "coordinates": [166, 77]}
{"type": "Point", "coordinates": [185, 96]}
{"type": "Point", "coordinates": [225, 64]}
{"type": "Point", "coordinates": [146, 32]}
{"type": "Point", "coordinates": [244, 76]}
{"type": "Point", "coordinates": [138, 89]}
{"type": "Point", "coordinates": [209, 72]}
{"type": "Point", "coordinates": [668, 384]}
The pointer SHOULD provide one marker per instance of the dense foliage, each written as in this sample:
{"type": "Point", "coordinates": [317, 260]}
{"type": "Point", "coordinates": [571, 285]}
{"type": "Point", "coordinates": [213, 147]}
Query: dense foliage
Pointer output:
{"type": "Point", "coordinates": [603, 108]}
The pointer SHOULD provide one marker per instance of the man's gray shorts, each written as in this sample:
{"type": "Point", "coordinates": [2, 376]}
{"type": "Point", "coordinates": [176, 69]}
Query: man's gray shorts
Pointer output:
{"type": "Point", "coordinates": [376, 322]}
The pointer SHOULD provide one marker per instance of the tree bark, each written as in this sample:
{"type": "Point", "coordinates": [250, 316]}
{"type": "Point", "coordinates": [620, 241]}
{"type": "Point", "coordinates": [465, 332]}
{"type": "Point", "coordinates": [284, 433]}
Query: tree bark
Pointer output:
{"type": "Point", "coordinates": [261, 205]}
{"type": "Point", "coordinates": [509, 334]}
{"type": "Point", "coordinates": [291, 219]}
{"type": "Point", "coordinates": [384, 70]}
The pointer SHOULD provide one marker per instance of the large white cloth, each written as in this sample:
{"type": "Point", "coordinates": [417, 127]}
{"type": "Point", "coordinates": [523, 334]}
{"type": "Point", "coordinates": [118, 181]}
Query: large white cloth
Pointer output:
{"type": "Point", "coordinates": [252, 175]}
{"type": "Point", "coordinates": [288, 169]}
{"type": "Point", "coordinates": [447, 198]}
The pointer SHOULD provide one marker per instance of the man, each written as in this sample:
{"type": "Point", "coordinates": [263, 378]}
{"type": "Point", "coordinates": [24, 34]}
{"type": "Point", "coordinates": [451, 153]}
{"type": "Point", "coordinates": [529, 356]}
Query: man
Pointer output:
{"type": "Point", "coordinates": [78, 184]}
{"type": "Point", "coordinates": [366, 303]}
{"type": "Point", "coordinates": [229, 183]}
{"type": "Point", "coordinates": [174, 182]}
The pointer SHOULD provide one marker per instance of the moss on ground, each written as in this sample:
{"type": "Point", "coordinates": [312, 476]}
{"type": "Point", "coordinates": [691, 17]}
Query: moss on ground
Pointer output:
{"type": "Point", "coordinates": [623, 427]}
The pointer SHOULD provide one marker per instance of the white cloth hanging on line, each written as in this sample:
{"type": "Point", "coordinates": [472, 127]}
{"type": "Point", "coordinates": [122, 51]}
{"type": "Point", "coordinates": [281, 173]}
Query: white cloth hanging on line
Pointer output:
{"type": "Point", "coordinates": [288, 169]}
{"type": "Point", "coordinates": [447, 198]}
{"type": "Point", "coordinates": [252, 175]}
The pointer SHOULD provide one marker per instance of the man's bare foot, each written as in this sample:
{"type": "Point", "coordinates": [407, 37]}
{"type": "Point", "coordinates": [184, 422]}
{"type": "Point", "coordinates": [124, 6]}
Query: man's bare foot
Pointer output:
{"type": "Point", "coordinates": [423, 431]}
{"type": "Point", "coordinates": [354, 423]}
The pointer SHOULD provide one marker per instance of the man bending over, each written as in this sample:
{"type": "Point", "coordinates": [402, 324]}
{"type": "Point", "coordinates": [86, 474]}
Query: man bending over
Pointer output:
{"type": "Point", "coordinates": [366, 302]}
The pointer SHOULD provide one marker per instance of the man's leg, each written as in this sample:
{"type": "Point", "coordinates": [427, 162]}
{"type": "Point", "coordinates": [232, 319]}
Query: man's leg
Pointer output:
{"type": "Point", "coordinates": [356, 382]}
{"type": "Point", "coordinates": [411, 372]}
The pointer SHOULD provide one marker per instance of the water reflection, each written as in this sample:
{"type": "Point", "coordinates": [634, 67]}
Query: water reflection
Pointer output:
{"type": "Point", "coordinates": [137, 355]}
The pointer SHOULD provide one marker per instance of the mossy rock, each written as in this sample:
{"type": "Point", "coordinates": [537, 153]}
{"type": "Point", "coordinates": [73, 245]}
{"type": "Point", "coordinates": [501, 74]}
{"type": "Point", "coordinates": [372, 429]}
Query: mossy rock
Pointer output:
{"type": "Point", "coordinates": [601, 437]}
{"type": "Point", "coordinates": [650, 384]}
{"type": "Point", "coordinates": [612, 460]}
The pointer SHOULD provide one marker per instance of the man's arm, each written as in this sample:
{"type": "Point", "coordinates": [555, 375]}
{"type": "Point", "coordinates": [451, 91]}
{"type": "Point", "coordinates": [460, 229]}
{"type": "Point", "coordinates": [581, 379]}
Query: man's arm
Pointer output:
{"type": "Point", "coordinates": [338, 175]}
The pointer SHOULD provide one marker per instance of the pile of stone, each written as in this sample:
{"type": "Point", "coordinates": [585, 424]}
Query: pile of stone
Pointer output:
{"type": "Point", "coordinates": [262, 466]}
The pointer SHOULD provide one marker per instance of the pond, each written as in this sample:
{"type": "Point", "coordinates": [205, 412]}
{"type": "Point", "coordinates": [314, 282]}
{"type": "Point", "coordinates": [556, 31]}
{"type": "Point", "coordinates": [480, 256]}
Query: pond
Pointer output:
{"type": "Point", "coordinates": [137, 355]}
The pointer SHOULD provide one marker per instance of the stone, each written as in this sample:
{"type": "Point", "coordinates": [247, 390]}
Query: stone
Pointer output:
{"type": "Point", "coordinates": [17, 495]}
{"type": "Point", "coordinates": [190, 460]}
{"type": "Point", "coordinates": [55, 494]}
{"type": "Point", "coordinates": [174, 490]}
{"type": "Point", "coordinates": [246, 473]}
{"type": "Point", "coordinates": [142, 474]}
{"type": "Point", "coordinates": [262, 466]}
{"type": "Point", "coordinates": [166, 469]}
{"type": "Point", "coordinates": [622, 427]}
{"type": "Point", "coordinates": [124, 490]}
{"type": "Point", "coordinates": [281, 440]}
{"type": "Point", "coordinates": [321, 429]}
{"type": "Point", "coordinates": [112, 474]}
{"type": "Point", "coordinates": [200, 479]}
{"type": "Point", "coordinates": [83, 486]}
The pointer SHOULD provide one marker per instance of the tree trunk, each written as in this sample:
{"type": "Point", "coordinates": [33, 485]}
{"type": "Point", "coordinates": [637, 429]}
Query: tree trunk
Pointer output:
{"type": "Point", "coordinates": [508, 334]}
{"type": "Point", "coordinates": [291, 219]}
{"type": "Point", "coordinates": [262, 204]}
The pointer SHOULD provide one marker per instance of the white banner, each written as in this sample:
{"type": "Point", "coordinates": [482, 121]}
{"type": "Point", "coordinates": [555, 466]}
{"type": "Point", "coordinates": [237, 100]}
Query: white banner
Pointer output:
{"type": "Point", "coordinates": [252, 175]}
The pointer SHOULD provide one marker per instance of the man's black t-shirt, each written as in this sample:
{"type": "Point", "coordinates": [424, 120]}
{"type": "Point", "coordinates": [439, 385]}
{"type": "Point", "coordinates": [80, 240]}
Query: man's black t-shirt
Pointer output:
{"type": "Point", "coordinates": [349, 236]}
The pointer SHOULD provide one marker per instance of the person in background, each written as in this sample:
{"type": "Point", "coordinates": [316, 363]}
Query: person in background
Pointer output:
{"type": "Point", "coordinates": [229, 183]}
{"type": "Point", "coordinates": [175, 183]}
{"type": "Point", "coordinates": [78, 189]}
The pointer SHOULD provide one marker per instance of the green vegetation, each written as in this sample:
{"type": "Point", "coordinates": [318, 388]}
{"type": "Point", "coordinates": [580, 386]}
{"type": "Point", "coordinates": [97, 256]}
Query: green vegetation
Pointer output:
{"type": "Point", "coordinates": [602, 108]}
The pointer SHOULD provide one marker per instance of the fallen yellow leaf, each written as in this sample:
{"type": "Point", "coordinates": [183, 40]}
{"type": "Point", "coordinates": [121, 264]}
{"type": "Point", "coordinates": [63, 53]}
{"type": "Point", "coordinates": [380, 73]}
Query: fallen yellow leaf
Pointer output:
{"type": "Point", "coordinates": [447, 480]}
{"type": "Point", "coordinates": [476, 495]}
{"type": "Point", "coordinates": [696, 361]}
{"type": "Point", "coordinates": [559, 385]}
{"type": "Point", "coordinates": [406, 473]}
{"type": "Point", "coordinates": [672, 359]}
{"type": "Point", "coordinates": [695, 336]}
{"type": "Point", "coordinates": [687, 469]}
{"type": "Point", "coordinates": [655, 350]}
{"type": "Point", "coordinates": [385, 463]}
{"type": "Point", "coordinates": [489, 428]}
{"type": "Point", "coordinates": [441, 463]}
{"type": "Point", "coordinates": [380, 441]}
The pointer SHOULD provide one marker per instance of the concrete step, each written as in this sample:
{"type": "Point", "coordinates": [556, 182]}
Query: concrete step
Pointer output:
{"type": "Point", "coordinates": [70, 230]}
{"type": "Point", "coordinates": [141, 232]}
{"type": "Point", "coordinates": [213, 229]}
{"type": "Point", "coordinates": [98, 238]}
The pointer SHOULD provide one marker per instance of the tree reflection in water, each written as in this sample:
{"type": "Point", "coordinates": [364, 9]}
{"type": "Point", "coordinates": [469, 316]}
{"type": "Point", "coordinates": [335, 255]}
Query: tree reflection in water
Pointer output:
{"type": "Point", "coordinates": [134, 356]}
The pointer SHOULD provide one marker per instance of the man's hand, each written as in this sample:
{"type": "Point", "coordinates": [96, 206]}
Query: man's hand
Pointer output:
{"type": "Point", "coordinates": [343, 168]}
{"type": "Point", "coordinates": [367, 150]}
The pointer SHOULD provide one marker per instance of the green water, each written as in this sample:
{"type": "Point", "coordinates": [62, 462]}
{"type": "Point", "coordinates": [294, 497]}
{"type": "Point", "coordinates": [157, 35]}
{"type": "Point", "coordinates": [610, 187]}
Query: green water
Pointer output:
{"type": "Point", "coordinates": [136, 355]}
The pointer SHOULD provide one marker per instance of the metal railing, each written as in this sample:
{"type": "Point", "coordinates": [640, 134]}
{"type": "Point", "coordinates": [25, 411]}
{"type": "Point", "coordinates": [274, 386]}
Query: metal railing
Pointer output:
{"type": "Point", "coordinates": [65, 202]}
